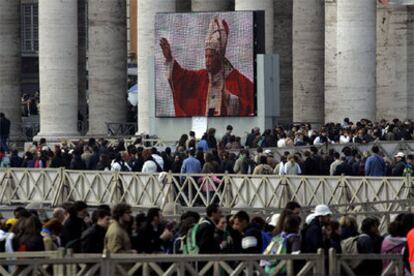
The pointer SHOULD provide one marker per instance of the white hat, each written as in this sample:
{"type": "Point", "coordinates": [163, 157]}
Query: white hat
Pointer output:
{"type": "Point", "coordinates": [400, 154]}
{"type": "Point", "coordinates": [309, 218]}
{"type": "Point", "coordinates": [268, 152]}
{"type": "Point", "coordinates": [274, 220]}
{"type": "Point", "coordinates": [322, 210]}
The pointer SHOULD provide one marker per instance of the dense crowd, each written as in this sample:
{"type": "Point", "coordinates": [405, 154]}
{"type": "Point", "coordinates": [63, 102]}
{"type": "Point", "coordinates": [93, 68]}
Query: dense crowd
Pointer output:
{"type": "Point", "coordinates": [117, 231]}
{"type": "Point", "coordinates": [191, 157]}
{"type": "Point", "coordinates": [214, 156]}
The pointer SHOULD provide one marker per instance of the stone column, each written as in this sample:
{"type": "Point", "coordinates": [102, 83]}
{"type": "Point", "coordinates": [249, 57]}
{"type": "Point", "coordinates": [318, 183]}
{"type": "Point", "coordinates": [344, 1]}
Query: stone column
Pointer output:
{"type": "Point", "coordinates": [82, 72]}
{"type": "Point", "coordinates": [58, 68]}
{"type": "Point", "coordinates": [146, 39]}
{"type": "Point", "coordinates": [392, 62]}
{"type": "Point", "coordinates": [330, 57]}
{"type": "Point", "coordinates": [212, 5]}
{"type": "Point", "coordinates": [10, 65]}
{"type": "Point", "coordinates": [283, 46]}
{"type": "Point", "coordinates": [308, 61]}
{"type": "Point", "coordinates": [410, 61]}
{"type": "Point", "coordinates": [267, 7]}
{"type": "Point", "coordinates": [356, 61]}
{"type": "Point", "coordinates": [107, 64]}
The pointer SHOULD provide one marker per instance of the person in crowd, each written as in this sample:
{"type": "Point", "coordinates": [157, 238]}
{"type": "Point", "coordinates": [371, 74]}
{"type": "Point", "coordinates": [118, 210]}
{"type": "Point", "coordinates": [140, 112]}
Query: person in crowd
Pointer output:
{"type": "Point", "coordinates": [154, 235]}
{"type": "Point", "coordinates": [191, 165]}
{"type": "Point", "coordinates": [203, 143]}
{"type": "Point", "coordinates": [369, 241]}
{"type": "Point", "coordinates": [291, 167]}
{"type": "Point", "coordinates": [400, 164]}
{"type": "Point", "coordinates": [150, 165]}
{"type": "Point", "coordinates": [395, 241]}
{"type": "Point", "coordinates": [74, 226]}
{"type": "Point", "coordinates": [337, 161]}
{"type": "Point", "coordinates": [4, 132]}
{"type": "Point", "coordinates": [27, 235]}
{"type": "Point", "coordinates": [312, 235]}
{"type": "Point", "coordinates": [244, 165]}
{"type": "Point", "coordinates": [50, 233]}
{"type": "Point", "coordinates": [117, 239]}
{"type": "Point", "coordinates": [226, 138]}
{"type": "Point", "coordinates": [222, 236]}
{"type": "Point", "coordinates": [93, 238]}
{"type": "Point", "coordinates": [375, 164]}
{"type": "Point", "coordinates": [205, 240]}
{"type": "Point", "coordinates": [348, 227]}
{"type": "Point", "coordinates": [120, 163]}
{"type": "Point", "coordinates": [251, 236]}
{"type": "Point", "coordinates": [263, 167]}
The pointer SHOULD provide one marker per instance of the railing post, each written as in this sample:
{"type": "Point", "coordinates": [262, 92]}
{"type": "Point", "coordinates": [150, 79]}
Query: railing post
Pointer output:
{"type": "Point", "coordinates": [106, 265]}
{"type": "Point", "coordinates": [115, 193]}
{"type": "Point", "coordinates": [6, 192]}
{"type": "Point", "coordinates": [333, 262]}
{"type": "Point", "coordinates": [227, 191]}
{"type": "Point", "coordinates": [58, 269]}
{"type": "Point", "coordinates": [319, 267]}
{"type": "Point", "coordinates": [60, 191]}
{"type": "Point", "coordinates": [170, 189]}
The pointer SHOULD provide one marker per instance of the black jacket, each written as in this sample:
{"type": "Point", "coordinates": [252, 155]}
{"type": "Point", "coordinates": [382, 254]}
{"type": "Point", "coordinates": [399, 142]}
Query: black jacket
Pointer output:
{"type": "Point", "coordinates": [92, 239]}
{"type": "Point", "coordinates": [149, 239]}
{"type": "Point", "coordinates": [251, 242]}
{"type": "Point", "coordinates": [4, 127]}
{"type": "Point", "coordinates": [72, 232]}
{"type": "Point", "coordinates": [205, 238]}
{"type": "Point", "coordinates": [312, 237]}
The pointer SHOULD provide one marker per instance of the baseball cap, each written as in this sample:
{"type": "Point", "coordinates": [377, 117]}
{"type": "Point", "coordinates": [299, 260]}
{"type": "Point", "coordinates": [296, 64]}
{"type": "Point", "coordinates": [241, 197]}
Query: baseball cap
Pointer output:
{"type": "Point", "coordinates": [322, 210]}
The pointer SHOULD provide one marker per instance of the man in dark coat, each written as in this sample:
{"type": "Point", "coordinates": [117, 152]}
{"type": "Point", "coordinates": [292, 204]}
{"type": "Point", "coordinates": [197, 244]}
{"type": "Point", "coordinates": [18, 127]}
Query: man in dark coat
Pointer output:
{"type": "Point", "coordinates": [93, 238]}
{"type": "Point", "coordinates": [312, 235]}
{"type": "Point", "coordinates": [205, 235]}
{"type": "Point", "coordinates": [4, 132]}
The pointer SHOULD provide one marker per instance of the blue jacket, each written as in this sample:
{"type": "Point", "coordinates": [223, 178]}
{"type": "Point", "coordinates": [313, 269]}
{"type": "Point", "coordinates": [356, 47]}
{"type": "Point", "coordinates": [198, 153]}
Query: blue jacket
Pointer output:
{"type": "Point", "coordinates": [375, 166]}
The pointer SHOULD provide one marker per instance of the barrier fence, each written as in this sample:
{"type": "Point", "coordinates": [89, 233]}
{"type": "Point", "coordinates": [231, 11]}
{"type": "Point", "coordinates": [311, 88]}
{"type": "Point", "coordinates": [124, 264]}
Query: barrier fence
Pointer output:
{"type": "Point", "coordinates": [57, 263]}
{"type": "Point", "coordinates": [55, 186]}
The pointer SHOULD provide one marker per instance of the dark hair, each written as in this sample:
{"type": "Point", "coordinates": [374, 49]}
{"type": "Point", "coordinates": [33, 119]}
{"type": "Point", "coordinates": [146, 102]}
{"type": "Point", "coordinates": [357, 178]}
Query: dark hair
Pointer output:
{"type": "Point", "coordinates": [368, 223]}
{"type": "Point", "coordinates": [105, 207]}
{"type": "Point", "coordinates": [292, 205]}
{"type": "Point", "coordinates": [291, 223]}
{"type": "Point", "coordinates": [189, 214]}
{"type": "Point", "coordinates": [336, 155]}
{"type": "Point", "coordinates": [76, 207]}
{"type": "Point", "coordinates": [242, 216]}
{"type": "Point", "coordinates": [260, 222]}
{"type": "Point", "coordinates": [21, 212]}
{"type": "Point", "coordinates": [375, 149]}
{"type": "Point", "coordinates": [152, 213]}
{"type": "Point", "coordinates": [212, 208]}
{"type": "Point", "coordinates": [229, 127]}
{"type": "Point", "coordinates": [396, 229]}
{"type": "Point", "coordinates": [119, 210]}
{"type": "Point", "coordinates": [263, 159]}
{"type": "Point", "coordinates": [2, 115]}
{"type": "Point", "coordinates": [100, 214]}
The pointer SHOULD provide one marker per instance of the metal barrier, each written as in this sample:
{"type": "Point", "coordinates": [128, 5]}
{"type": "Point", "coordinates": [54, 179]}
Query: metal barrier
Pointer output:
{"type": "Point", "coordinates": [46, 263]}
{"type": "Point", "coordinates": [55, 186]}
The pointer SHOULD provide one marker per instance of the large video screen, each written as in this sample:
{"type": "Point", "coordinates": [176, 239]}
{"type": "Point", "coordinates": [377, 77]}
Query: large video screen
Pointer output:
{"type": "Point", "coordinates": [204, 64]}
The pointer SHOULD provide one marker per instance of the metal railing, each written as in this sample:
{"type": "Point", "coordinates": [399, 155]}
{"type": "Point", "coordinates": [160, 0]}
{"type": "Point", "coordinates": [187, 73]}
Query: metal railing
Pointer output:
{"type": "Point", "coordinates": [54, 186]}
{"type": "Point", "coordinates": [47, 263]}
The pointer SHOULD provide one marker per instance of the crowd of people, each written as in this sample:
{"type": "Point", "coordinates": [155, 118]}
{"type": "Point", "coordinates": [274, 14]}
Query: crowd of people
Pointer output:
{"type": "Point", "coordinates": [205, 156]}
{"type": "Point", "coordinates": [116, 230]}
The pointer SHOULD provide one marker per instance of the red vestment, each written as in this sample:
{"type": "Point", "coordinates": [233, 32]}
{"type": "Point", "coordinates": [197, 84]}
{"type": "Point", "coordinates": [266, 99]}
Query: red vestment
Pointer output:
{"type": "Point", "coordinates": [190, 89]}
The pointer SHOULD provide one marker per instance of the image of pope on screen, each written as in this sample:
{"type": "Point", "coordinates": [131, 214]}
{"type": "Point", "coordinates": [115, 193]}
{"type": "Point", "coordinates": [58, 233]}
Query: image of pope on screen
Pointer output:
{"type": "Point", "coordinates": [217, 87]}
